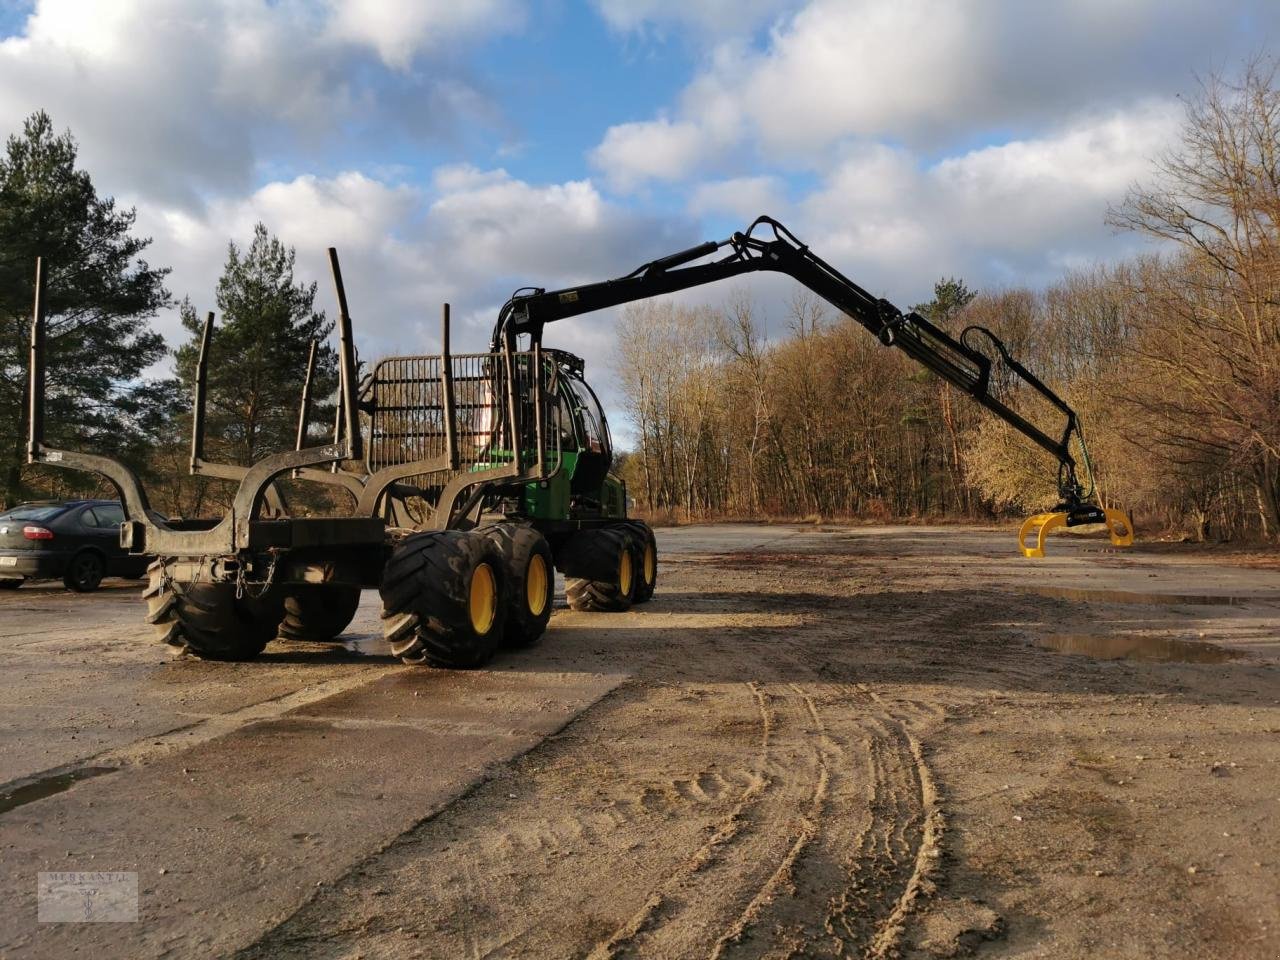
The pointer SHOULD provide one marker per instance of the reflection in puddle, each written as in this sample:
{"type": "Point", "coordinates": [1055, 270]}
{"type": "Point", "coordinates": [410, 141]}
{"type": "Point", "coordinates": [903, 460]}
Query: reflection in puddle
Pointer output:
{"type": "Point", "coordinates": [48, 786]}
{"type": "Point", "coordinates": [1127, 596]}
{"type": "Point", "coordinates": [1133, 647]}
{"type": "Point", "coordinates": [367, 646]}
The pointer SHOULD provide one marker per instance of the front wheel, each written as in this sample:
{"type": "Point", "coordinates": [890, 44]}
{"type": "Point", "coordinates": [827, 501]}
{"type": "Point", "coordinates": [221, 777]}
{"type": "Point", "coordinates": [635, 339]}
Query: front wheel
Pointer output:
{"type": "Point", "coordinates": [85, 572]}
{"type": "Point", "coordinates": [444, 599]}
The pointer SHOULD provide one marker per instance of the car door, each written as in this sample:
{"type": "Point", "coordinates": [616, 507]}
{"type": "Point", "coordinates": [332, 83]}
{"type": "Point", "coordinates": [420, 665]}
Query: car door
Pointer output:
{"type": "Point", "coordinates": [120, 563]}
{"type": "Point", "coordinates": [100, 527]}
{"type": "Point", "coordinates": [73, 531]}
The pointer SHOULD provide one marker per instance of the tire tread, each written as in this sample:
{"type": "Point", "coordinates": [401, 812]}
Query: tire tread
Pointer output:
{"type": "Point", "coordinates": [207, 620]}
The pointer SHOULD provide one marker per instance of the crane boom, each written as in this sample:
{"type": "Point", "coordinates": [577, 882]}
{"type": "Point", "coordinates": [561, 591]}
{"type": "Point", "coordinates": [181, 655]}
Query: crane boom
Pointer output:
{"type": "Point", "coordinates": [957, 361]}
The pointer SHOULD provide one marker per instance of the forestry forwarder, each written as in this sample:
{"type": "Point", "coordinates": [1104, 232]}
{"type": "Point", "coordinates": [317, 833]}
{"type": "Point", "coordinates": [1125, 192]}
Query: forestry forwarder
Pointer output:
{"type": "Point", "coordinates": [471, 477]}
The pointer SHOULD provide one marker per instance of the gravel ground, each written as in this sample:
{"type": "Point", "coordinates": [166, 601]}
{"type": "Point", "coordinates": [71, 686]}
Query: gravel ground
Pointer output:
{"type": "Point", "coordinates": [814, 741]}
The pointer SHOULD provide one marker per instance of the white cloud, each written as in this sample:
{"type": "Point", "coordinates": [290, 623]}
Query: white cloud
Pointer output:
{"type": "Point", "coordinates": [401, 29]}
{"type": "Point", "coordinates": [1012, 213]}
{"type": "Point", "coordinates": [174, 99]}
{"type": "Point", "coordinates": [743, 197]}
{"type": "Point", "coordinates": [632, 153]}
{"type": "Point", "coordinates": [928, 74]}
{"type": "Point", "coordinates": [1017, 213]}
{"type": "Point", "coordinates": [841, 68]}
{"type": "Point", "coordinates": [471, 240]}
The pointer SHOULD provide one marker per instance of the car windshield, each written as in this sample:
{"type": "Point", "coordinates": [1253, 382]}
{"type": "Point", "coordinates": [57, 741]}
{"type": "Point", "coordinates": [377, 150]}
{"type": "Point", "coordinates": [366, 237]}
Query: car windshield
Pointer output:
{"type": "Point", "coordinates": [33, 512]}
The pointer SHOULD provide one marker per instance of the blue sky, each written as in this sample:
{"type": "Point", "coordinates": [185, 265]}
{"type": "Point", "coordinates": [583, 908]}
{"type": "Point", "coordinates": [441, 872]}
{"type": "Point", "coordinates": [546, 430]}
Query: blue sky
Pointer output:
{"type": "Point", "coordinates": [457, 149]}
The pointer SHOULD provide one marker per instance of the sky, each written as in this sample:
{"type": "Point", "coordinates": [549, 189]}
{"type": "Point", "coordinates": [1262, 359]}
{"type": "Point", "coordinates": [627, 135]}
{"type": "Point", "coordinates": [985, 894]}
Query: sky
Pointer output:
{"type": "Point", "coordinates": [454, 150]}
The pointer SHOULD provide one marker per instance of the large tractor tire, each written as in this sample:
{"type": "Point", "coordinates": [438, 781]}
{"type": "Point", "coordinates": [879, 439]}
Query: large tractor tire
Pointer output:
{"type": "Point", "coordinates": [318, 612]}
{"type": "Point", "coordinates": [646, 561]}
{"type": "Point", "coordinates": [531, 581]}
{"type": "Point", "coordinates": [444, 599]}
{"type": "Point", "coordinates": [599, 569]}
{"type": "Point", "coordinates": [208, 620]}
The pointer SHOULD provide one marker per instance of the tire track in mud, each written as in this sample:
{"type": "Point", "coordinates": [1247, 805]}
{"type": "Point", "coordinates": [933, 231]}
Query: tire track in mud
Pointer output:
{"type": "Point", "coordinates": [826, 857]}
{"type": "Point", "coordinates": [854, 879]}
{"type": "Point", "coordinates": [812, 840]}
{"type": "Point", "coordinates": [930, 825]}
{"type": "Point", "coordinates": [782, 877]}
{"type": "Point", "coordinates": [735, 865]}
{"type": "Point", "coordinates": [787, 815]}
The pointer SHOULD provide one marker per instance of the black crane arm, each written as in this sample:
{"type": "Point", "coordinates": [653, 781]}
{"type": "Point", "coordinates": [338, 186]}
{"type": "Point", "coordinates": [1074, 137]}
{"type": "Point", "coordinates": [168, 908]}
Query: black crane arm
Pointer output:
{"type": "Point", "coordinates": [956, 361]}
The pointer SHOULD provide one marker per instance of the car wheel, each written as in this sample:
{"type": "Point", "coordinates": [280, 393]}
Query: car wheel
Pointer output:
{"type": "Point", "coordinates": [10, 584]}
{"type": "Point", "coordinates": [85, 572]}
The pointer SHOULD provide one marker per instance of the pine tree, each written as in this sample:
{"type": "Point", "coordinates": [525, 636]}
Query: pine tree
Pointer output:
{"type": "Point", "coordinates": [100, 295]}
{"type": "Point", "coordinates": [258, 355]}
{"type": "Point", "coordinates": [950, 296]}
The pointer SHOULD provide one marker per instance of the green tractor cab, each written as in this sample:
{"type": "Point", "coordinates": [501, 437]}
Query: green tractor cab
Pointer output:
{"type": "Point", "coordinates": [583, 487]}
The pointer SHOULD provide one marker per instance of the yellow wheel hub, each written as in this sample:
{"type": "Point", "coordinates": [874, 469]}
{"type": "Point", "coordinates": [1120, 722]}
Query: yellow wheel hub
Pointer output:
{"type": "Point", "coordinates": [625, 574]}
{"type": "Point", "coordinates": [535, 585]}
{"type": "Point", "coordinates": [650, 564]}
{"type": "Point", "coordinates": [483, 599]}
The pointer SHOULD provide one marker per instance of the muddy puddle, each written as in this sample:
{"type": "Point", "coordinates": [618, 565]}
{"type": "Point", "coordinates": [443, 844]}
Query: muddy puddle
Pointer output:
{"type": "Point", "coordinates": [1143, 598]}
{"type": "Point", "coordinates": [48, 787]}
{"type": "Point", "coordinates": [1139, 648]}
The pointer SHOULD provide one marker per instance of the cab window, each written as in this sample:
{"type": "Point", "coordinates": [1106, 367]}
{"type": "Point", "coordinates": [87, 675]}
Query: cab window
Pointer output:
{"type": "Point", "coordinates": [592, 424]}
{"type": "Point", "coordinates": [564, 421]}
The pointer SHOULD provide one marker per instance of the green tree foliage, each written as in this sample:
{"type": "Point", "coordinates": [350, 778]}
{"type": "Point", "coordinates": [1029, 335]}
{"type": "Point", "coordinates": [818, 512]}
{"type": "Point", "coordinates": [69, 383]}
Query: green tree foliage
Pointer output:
{"type": "Point", "coordinates": [258, 357]}
{"type": "Point", "coordinates": [950, 296]}
{"type": "Point", "coordinates": [100, 295]}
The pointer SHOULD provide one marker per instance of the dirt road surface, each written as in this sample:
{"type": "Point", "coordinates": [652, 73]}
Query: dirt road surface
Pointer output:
{"type": "Point", "coordinates": [813, 742]}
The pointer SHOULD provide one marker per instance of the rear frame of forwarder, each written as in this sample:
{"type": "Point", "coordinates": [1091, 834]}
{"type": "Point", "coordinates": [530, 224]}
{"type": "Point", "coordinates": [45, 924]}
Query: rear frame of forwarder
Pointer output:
{"type": "Point", "coordinates": [474, 476]}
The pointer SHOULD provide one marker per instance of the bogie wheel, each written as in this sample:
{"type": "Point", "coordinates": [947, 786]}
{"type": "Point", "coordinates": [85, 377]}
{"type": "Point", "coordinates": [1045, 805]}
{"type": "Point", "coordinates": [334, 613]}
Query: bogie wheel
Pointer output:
{"type": "Point", "coordinates": [85, 572]}
{"type": "Point", "coordinates": [208, 620]}
{"type": "Point", "coordinates": [531, 580]}
{"type": "Point", "coordinates": [318, 612]}
{"type": "Point", "coordinates": [600, 569]}
{"type": "Point", "coordinates": [646, 561]}
{"type": "Point", "coordinates": [444, 599]}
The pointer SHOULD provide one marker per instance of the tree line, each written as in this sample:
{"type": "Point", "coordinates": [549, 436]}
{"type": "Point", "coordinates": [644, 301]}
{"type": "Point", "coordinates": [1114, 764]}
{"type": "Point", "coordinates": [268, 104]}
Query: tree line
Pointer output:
{"type": "Point", "coordinates": [1172, 361]}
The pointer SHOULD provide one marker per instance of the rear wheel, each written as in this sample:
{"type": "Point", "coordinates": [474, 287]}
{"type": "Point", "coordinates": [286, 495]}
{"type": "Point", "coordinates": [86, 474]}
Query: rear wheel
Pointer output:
{"type": "Point", "coordinates": [318, 612]}
{"type": "Point", "coordinates": [85, 572]}
{"type": "Point", "coordinates": [444, 599]}
{"type": "Point", "coordinates": [530, 573]}
{"type": "Point", "coordinates": [10, 584]}
{"type": "Point", "coordinates": [646, 561]}
{"type": "Point", "coordinates": [208, 620]}
{"type": "Point", "coordinates": [599, 569]}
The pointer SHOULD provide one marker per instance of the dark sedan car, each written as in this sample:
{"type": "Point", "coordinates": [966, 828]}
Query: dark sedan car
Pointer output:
{"type": "Point", "coordinates": [77, 540]}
